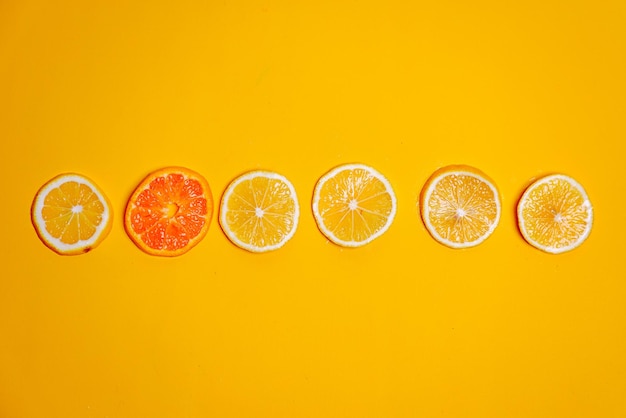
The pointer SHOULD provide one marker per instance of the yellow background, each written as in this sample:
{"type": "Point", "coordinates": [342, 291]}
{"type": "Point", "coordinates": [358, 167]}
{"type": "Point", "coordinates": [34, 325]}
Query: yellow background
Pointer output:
{"type": "Point", "coordinates": [403, 327]}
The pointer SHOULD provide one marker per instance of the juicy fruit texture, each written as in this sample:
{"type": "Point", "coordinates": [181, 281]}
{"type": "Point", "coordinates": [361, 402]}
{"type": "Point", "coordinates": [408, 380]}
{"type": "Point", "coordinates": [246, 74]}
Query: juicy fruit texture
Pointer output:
{"type": "Point", "coordinates": [71, 214]}
{"type": "Point", "coordinates": [353, 204]}
{"type": "Point", "coordinates": [460, 206]}
{"type": "Point", "coordinates": [554, 214]}
{"type": "Point", "coordinates": [169, 212]}
{"type": "Point", "coordinates": [260, 211]}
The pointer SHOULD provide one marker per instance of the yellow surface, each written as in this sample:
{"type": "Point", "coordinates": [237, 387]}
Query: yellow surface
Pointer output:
{"type": "Point", "coordinates": [403, 327]}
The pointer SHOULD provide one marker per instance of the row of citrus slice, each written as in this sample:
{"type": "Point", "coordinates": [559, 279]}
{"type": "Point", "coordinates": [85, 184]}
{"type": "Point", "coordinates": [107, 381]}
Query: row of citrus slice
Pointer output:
{"type": "Point", "coordinates": [170, 210]}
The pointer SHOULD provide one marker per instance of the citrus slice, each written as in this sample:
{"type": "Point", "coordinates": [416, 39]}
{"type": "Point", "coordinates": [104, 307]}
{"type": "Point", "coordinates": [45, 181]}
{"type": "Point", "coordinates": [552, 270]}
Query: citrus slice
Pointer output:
{"type": "Point", "coordinates": [353, 204]}
{"type": "Point", "coordinates": [554, 214]}
{"type": "Point", "coordinates": [460, 206]}
{"type": "Point", "coordinates": [71, 214]}
{"type": "Point", "coordinates": [169, 212]}
{"type": "Point", "coordinates": [260, 211]}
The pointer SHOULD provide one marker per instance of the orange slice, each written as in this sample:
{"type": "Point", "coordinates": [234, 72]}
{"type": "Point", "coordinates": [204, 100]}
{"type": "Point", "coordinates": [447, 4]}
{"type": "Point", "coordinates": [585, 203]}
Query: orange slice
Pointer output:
{"type": "Point", "coordinates": [353, 204]}
{"type": "Point", "coordinates": [260, 211]}
{"type": "Point", "coordinates": [169, 212]}
{"type": "Point", "coordinates": [460, 206]}
{"type": "Point", "coordinates": [71, 214]}
{"type": "Point", "coordinates": [554, 214]}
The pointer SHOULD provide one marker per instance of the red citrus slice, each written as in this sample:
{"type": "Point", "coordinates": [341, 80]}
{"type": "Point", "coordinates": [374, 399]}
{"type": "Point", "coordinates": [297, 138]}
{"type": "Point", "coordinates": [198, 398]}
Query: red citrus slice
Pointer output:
{"type": "Point", "coordinates": [169, 212]}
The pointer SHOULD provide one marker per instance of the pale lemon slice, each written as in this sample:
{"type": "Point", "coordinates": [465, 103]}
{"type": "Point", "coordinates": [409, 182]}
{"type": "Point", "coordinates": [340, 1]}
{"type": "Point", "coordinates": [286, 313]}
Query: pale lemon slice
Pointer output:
{"type": "Point", "coordinates": [71, 214]}
{"type": "Point", "coordinates": [260, 211]}
{"type": "Point", "coordinates": [554, 214]}
{"type": "Point", "coordinates": [460, 206]}
{"type": "Point", "coordinates": [353, 204]}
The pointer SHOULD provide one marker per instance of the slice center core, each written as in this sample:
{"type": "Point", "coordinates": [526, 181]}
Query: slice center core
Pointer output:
{"type": "Point", "coordinates": [171, 210]}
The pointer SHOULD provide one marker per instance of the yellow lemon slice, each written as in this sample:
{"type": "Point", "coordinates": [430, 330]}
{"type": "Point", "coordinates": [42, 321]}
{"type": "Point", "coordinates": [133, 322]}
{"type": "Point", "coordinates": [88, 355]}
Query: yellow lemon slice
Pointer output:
{"type": "Point", "coordinates": [71, 214]}
{"type": "Point", "coordinates": [353, 204]}
{"type": "Point", "coordinates": [460, 206]}
{"type": "Point", "coordinates": [260, 211]}
{"type": "Point", "coordinates": [554, 214]}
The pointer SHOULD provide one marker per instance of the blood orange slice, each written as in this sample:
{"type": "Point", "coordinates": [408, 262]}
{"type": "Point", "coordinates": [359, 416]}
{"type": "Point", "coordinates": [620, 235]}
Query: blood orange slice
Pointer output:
{"type": "Point", "coordinates": [169, 212]}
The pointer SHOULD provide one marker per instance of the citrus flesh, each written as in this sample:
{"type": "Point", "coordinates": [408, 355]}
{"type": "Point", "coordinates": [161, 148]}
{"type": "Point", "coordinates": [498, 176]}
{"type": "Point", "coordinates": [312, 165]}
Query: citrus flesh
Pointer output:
{"type": "Point", "coordinates": [460, 206]}
{"type": "Point", "coordinates": [353, 204]}
{"type": "Point", "coordinates": [554, 214]}
{"type": "Point", "coordinates": [260, 211]}
{"type": "Point", "coordinates": [169, 212]}
{"type": "Point", "coordinates": [71, 214]}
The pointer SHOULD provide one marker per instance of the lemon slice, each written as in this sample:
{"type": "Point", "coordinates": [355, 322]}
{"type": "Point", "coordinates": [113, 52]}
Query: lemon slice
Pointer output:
{"type": "Point", "coordinates": [71, 214]}
{"type": "Point", "coordinates": [353, 204]}
{"type": "Point", "coordinates": [260, 211]}
{"type": "Point", "coordinates": [554, 214]}
{"type": "Point", "coordinates": [460, 206]}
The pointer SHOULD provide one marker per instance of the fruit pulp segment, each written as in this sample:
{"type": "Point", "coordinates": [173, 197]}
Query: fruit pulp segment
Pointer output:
{"type": "Point", "coordinates": [261, 211]}
{"type": "Point", "coordinates": [462, 208]}
{"type": "Point", "coordinates": [154, 219]}
{"type": "Point", "coordinates": [72, 212]}
{"type": "Point", "coordinates": [555, 214]}
{"type": "Point", "coordinates": [354, 205]}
